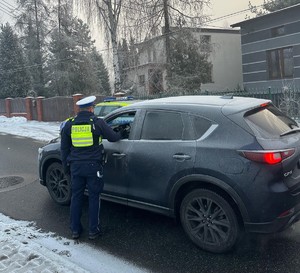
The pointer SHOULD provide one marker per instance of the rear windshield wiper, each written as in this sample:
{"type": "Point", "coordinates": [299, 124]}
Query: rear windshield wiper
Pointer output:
{"type": "Point", "coordinates": [295, 130]}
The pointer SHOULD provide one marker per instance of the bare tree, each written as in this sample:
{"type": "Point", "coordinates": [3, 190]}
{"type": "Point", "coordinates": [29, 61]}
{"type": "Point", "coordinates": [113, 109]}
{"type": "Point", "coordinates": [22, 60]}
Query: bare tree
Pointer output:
{"type": "Point", "coordinates": [271, 6]}
{"type": "Point", "coordinates": [141, 19]}
{"type": "Point", "coordinates": [150, 16]}
{"type": "Point", "coordinates": [107, 13]}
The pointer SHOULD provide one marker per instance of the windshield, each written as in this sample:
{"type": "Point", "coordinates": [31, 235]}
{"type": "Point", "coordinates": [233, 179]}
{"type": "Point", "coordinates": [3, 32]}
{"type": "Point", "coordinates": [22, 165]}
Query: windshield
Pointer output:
{"type": "Point", "coordinates": [102, 111]}
{"type": "Point", "coordinates": [269, 122]}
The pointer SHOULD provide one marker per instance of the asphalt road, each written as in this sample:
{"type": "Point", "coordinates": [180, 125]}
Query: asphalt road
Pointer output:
{"type": "Point", "coordinates": [146, 239]}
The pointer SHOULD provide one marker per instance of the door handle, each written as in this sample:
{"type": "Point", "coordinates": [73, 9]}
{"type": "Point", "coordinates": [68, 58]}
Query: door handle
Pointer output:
{"type": "Point", "coordinates": [181, 157]}
{"type": "Point", "coordinates": [118, 155]}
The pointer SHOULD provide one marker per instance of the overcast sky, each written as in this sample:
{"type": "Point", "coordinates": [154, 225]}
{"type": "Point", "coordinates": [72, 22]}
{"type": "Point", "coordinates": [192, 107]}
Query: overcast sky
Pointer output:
{"type": "Point", "coordinates": [232, 8]}
{"type": "Point", "coordinates": [218, 9]}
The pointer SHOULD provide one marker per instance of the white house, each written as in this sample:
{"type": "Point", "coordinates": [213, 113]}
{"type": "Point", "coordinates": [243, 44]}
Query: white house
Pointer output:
{"type": "Point", "coordinates": [147, 73]}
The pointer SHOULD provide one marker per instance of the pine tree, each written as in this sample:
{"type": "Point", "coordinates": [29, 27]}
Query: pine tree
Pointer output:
{"type": "Point", "coordinates": [14, 78]}
{"type": "Point", "coordinates": [101, 73]}
{"type": "Point", "coordinates": [123, 53]}
{"type": "Point", "coordinates": [189, 66]}
{"type": "Point", "coordinates": [61, 66]}
{"type": "Point", "coordinates": [74, 66]}
{"type": "Point", "coordinates": [32, 22]}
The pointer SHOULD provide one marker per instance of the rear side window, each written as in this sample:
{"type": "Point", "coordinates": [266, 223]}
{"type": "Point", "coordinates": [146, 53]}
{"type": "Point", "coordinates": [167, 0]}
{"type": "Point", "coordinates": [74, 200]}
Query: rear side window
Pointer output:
{"type": "Point", "coordinates": [201, 125]}
{"type": "Point", "coordinates": [269, 122]}
{"type": "Point", "coordinates": [160, 125]}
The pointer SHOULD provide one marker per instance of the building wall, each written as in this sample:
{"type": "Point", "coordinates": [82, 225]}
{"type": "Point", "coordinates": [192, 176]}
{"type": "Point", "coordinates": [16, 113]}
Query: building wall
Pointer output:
{"type": "Point", "coordinates": [226, 58]}
{"type": "Point", "coordinates": [151, 57]}
{"type": "Point", "coordinates": [152, 52]}
{"type": "Point", "coordinates": [257, 40]}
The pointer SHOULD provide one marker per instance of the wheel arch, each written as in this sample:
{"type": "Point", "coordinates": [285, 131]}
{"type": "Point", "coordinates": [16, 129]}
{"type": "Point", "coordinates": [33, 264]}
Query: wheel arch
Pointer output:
{"type": "Point", "coordinates": [190, 183]}
{"type": "Point", "coordinates": [47, 162]}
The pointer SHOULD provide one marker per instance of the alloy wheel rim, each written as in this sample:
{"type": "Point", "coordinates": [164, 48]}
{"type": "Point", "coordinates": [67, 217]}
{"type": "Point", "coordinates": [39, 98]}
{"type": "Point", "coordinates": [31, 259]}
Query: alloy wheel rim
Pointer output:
{"type": "Point", "coordinates": [207, 221]}
{"type": "Point", "coordinates": [58, 184]}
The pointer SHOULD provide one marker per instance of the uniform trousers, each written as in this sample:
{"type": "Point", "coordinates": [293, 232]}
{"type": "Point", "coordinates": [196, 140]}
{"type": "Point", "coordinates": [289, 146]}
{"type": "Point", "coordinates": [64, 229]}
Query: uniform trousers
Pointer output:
{"type": "Point", "coordinates": [86, 175]}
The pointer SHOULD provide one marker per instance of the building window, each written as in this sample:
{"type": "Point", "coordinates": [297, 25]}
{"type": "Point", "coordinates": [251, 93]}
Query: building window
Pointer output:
{"type": "Point", "coordinates": [141, 80]}
{"type": "Point", "coordinates": [277, 31]}
{"type": "Point", "coordinates": [280, 63]}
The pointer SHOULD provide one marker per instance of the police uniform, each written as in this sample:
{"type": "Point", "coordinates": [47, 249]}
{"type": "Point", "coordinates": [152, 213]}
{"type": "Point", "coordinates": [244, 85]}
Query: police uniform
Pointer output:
{"type": "Point", "coordinates": [81, 151]}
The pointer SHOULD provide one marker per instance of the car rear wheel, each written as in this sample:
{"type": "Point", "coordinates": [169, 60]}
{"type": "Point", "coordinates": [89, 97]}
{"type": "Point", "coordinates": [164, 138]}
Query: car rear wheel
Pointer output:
{"type": "Point", "coordinates": [209, 221]}
{"type": "Point", "coordinates": [58, 184]}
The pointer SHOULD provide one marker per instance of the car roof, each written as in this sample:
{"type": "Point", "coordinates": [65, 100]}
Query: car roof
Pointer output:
{"type": "Point", "coordinates": [229, 104]}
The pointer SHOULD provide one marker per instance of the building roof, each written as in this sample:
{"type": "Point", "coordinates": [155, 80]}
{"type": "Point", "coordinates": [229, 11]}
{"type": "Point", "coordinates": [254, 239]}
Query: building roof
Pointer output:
{"type": "Point", "coordinates": [264, 16]}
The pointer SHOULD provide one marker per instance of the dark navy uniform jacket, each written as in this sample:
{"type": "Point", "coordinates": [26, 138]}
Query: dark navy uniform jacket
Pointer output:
{"type": "Point", "coordinates": [69, 153]}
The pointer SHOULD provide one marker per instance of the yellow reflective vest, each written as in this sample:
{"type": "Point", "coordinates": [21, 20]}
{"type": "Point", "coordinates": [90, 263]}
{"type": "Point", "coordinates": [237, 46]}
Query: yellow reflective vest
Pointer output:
{"type": "Point", "coordinates": [82, 134]}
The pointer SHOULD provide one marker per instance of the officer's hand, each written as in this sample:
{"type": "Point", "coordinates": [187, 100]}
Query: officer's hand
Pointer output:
{"type": "Point", "coordinates": [125, 130]}
{"type": "Point", "coordinates": [120, 132]}
{"type": "Point", "coordinates": [116, 129]}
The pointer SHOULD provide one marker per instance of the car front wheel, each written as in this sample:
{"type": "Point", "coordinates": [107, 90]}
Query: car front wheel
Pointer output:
{"type": "Point", "coordinates": [58, 184]}
{"type": "Point", "coordinates": [209, 221]}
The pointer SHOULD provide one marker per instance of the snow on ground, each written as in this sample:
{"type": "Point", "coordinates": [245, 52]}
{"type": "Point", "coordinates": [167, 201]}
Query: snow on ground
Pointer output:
{"type": "Point", "coordinates": [20, 126]}
{"type": "Point", "coordinates": [86, 257]}
{"type": "Point", "coordinates": [76, 257]}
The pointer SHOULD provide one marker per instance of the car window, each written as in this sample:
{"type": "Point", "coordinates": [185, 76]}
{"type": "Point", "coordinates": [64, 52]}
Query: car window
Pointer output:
{"type": "Point", "coordinates": [201, 125]}
{"type": "Point", "coordinates": [105, 109]}
{"type": "Point", "coordinates": [97, 110]}
{"type": "Point", "coordinates": [160, 125]}
{"type": "Point", "coordinates": [126, 118]}
{"type": "Point", "coordinates": [269, 122]}
{"type": "Point", "coordinates": [124, 121]}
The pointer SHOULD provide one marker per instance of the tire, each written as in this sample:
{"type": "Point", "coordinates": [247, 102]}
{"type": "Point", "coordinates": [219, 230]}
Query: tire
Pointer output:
{"type": "Point", "coordinates": [209, 221]}
{"type": "Point", "coordinates": [58, 184]}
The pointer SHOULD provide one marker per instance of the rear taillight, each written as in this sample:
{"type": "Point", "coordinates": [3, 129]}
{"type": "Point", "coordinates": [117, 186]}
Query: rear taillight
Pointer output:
{"type": "Point", "coordinates": [287, 213]}
{"type": "Point", "coordinates": [268, 157]}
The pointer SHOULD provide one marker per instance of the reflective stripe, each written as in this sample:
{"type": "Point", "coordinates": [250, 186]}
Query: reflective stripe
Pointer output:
{"type": "Point", "coordinates": [81, 135]}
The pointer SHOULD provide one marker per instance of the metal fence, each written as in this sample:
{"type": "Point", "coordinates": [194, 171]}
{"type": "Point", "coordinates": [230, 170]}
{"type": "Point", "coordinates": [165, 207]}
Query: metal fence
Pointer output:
{"type": "Point", "coordinates": [18, 105]}
{"type": "Point", "coordinates": [57, 108]}
{"type": "Point", "coordinates": [60, 108]}
{"type": "Point", "coordinates": [2, 108]}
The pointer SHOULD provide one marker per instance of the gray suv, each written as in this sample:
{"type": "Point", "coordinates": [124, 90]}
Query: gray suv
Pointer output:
{"type": "Point", "coordinates": [220, 164]}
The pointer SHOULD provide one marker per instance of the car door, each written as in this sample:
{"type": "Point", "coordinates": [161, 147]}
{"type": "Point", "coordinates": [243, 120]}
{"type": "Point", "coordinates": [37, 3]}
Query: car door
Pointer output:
{"type": "Point", "coordinates": [162, 154]}
{"type": "Point", "coordinates": [115, 168]}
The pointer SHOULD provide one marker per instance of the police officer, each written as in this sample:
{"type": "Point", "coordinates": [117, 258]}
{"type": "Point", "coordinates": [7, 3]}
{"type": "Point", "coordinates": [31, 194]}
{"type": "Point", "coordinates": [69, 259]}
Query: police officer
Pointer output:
{"type": "Point", "coordinates": [82, 151]}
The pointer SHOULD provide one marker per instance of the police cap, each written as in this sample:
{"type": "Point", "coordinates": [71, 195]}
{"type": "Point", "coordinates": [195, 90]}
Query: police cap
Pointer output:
{"type": "Point", "coordinates": [86, 102]}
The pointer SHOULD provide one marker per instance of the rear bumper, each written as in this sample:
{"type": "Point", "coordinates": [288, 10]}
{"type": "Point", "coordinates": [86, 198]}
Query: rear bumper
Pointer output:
{"type": "Point", "coordinates": [279, 224]}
